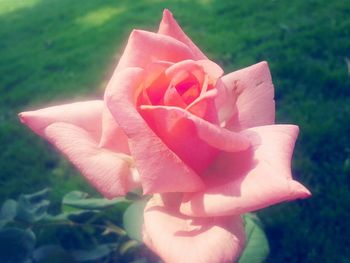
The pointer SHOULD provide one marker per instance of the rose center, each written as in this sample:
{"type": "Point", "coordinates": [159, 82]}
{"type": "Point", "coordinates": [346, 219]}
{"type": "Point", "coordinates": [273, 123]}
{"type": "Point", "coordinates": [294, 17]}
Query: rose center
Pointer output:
{"type": "Point", "coordinates": [188, 90]}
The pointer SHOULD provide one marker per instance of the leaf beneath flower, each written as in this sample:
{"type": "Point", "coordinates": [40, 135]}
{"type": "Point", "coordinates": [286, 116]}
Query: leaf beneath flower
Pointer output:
{"type": "Point", "coordinates": [257, 246]}
{"type": "Point", "coordinates": [133, 219]}
{"type": "Point", "coordinates": [81, 200]}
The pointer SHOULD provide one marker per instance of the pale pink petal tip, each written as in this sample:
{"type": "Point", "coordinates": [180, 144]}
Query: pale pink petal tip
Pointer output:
{"type": "Point", "coordinates": [299, 190]}
{"type": "Point", "coordinates": [167, 14]}
{"type": "Point", "coordinates": [21, 117]}
{"type": "Point", "coordinates": [29, 119]}
{"type": "Point", "coordinates": [26, 117]}
{"type": "Point", "coordinates": [169, 26]}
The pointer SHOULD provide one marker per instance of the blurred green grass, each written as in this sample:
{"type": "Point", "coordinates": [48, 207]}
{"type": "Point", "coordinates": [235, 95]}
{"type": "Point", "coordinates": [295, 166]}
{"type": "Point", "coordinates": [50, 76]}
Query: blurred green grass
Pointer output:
{"type": "Point", "coordinates": [64, 50]}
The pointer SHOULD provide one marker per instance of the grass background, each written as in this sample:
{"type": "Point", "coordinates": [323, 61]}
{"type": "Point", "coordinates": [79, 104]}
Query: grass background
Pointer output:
{"type": "Point", "coordinates": [64, 50]}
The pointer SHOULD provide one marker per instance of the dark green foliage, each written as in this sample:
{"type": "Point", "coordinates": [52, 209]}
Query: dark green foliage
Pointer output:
{"type": "Point", "coordinates": [32, 207]}
{"type": "Point", "coordinates": [91, 233]}
{"type": "Point", "coordinates": [16, 245]}
{"type": "Point", "coordinates": [8, 212]}
{"type": "Point", "coordinates": [64, 50]}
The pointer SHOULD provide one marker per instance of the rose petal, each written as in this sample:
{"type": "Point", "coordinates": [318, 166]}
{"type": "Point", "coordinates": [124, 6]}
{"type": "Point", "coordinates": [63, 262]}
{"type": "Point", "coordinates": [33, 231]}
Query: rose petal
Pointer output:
{"type": "Point", "coordinates": [253, 91]}
{"type": "Point", "coordinates": [75, 130]}
{"type": "Point", "coordinates": [109, 172]}
{"type": "Point", "coordinates": [168, 26]}
{"type": "Point", "coordinates": [204, 106]}
{"type": "Point", "coordinates": [180, 239]}
{"type": "Point", "coordinates": [197, 68]}
{"type": "Point", "coordinates": [86, 115]}
{"type": "Point", "coordinates": [145, 47]}
{"type": "Point", "coordinates": [155, 83]}
{"type": "Point", "coordinates": [254, 183]}
{"type": "Point", "coordinates": [181, 70]}
{"type": "Point", "coordinates": [113, 137]}
{"type": "Point", "coordinates": [213, 70]}
{"type": "Point", "coordinates": [193, 139]}
{"type": "Point", "coordinates": [151, 155]}
{"type": "Point", "coordinates": [173, 98]}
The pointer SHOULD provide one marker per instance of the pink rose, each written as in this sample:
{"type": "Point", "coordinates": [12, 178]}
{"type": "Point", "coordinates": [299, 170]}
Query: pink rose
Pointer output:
{"type": "Point", "coordinates": [204, 144]}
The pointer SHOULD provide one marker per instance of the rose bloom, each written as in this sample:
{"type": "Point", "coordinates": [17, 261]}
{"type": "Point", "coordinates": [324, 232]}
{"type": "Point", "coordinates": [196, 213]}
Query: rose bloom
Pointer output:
{"type": "Point", "coordinates": [204, 144]}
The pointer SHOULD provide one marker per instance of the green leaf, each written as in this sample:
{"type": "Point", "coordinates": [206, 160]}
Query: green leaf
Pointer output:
{"type": "Point", "coordinates": [31, 212]}
{"type": "Point", "coordinates": [257, 246]}
{"type": "Point", "coordinates": [33, 207]}
{"type": "Point", "coordinates": [37, 196]}
{"type": "Point", "coordinates": [52, 254]}
{"type": "Point", "coordinates": [128, 245]}
{"type": "Point", "coordinates": [81, 200]}
{"type": "Point", "coordinates": [140, 260]}
{"type": "Point", "coordinates": [112, 228]}
{"type": "Point", "coordinates": [65, 216]}
{"type": "Point", "coordinates": [16, 245]}
{"type": "Point", "coordinates": [8, 212]}
{"type": "Point", "coordinates": [133, 196]}
{"type": "Point", "coordinates": [97, 253]}
{"type": "Point", "coordinates": [85, 218]}
{"type": "Point", "coordinates": [133, 219]}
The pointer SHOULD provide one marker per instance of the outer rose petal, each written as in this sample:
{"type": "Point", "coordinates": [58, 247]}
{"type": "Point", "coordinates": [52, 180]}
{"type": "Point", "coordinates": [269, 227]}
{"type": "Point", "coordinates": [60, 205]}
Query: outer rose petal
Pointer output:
{"type": "Point", "coordinates": [160, 169]}
{"type": "Point", "coordinates": [193, 139]}
{"type": "Point", "coordinates": [145, 47]}
{"type": "Point", "coordinates": [113, 137]}
{"type": "Point", "coordinates": [168, 26]}
{"type": "Point", "coordinates": [109, 172]}
{"type": "Point", "coordinates": [253, 184]}
{"type": "Point", "coordinates": [253, 91]}
{"type": "Point", "coordinates": [86, 115]}
{"type": "Point", "coordinates": [75, 129]}
{"type": "Point", "coordinates": [180, 239]}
